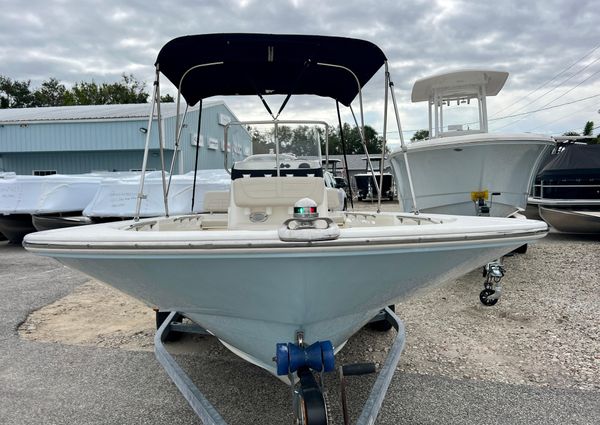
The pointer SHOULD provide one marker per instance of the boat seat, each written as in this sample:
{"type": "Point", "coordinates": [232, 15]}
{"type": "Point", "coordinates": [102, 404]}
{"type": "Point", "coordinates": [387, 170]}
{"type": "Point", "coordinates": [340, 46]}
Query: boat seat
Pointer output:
{"type": "Point", "coordinates": [276, 191]}
{"type": "Point", "coordinates": [268, 201]}
{"type": "Point", "coordinates": [333, 199]}
{"type": "Point", "coordinates": [216, 201]}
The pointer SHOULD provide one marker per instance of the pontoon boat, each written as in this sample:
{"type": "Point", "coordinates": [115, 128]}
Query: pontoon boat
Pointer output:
{"type": "Point", "coordinates": [567, 189]}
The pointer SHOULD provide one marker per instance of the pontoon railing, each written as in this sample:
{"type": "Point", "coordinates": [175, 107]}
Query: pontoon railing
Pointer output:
{"type": "Point", "coordinates": [543, 186]}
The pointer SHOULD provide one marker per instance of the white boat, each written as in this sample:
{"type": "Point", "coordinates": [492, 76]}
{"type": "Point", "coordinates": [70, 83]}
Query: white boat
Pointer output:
{"type": "Point", "coordinates": [367, 182]}
{"type": "Point", "coordinates": [279, 270]}
{"type": "Point", "coordinates": [463, 169]}
{"type": "Point", "coordinates": [54, 195]}
{"type": "Point", "coordinates": [116, 198]}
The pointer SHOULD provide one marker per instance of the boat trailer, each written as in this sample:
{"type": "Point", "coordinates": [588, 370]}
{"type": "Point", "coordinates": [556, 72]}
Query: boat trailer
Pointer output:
{"type": "Point", "coordinates": [308, 363]}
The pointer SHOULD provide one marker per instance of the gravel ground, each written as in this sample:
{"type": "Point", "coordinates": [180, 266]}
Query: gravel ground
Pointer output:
{"type": "Point", "coordinates": [544, 331]}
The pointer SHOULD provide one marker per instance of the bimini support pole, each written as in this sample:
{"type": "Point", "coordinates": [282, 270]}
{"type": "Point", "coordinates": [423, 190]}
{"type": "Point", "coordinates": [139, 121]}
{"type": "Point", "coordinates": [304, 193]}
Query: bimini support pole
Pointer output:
{"type": "Point", "coordinates": [141, 195]}
{"type": "Point", "coordinates": [404, 149]}
{"type": "Point", "coordinates": [175, 157]}
{"type": "Point", "coordinates": [383, 148]}
{"type": "Point", "coordinates": [361, 128]}
{"type": "Point", "coordinates": [161, 148]}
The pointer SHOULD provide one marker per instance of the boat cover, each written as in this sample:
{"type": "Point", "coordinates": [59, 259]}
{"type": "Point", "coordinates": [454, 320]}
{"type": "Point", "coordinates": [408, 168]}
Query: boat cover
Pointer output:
{"type": "Point", "coordinates": [118, 197]}
{"type": "Point", "coordinates": [574, 160]}
{"type": "Point", "coordinates": [261, 64]}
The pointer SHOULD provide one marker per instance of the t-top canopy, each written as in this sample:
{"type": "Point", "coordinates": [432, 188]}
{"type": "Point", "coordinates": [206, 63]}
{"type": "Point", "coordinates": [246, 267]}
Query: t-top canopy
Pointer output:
{"type": "Point", "coordinates": [454, 81]}
{"type": "Point", "coordinates": [268, 64]}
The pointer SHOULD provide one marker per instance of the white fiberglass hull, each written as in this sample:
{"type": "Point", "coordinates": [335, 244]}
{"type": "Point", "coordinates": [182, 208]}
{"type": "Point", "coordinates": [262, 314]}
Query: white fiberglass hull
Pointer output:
{"type": "Point", "coordinates": [446, 171]}
{"type": "Point", "coordinates": [252, 290]}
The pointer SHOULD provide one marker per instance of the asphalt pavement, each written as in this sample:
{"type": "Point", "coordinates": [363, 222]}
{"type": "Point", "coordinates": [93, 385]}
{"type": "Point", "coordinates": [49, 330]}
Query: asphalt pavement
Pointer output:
{"type": "Point", "coordinates": [52, 383]}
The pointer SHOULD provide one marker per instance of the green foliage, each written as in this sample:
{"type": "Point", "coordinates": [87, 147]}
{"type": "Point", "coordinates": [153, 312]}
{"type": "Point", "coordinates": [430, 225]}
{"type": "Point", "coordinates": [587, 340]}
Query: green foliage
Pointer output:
{"type": "Point", "coordinates": [129, 90]}
{"type": "Point", "coordinates": [167, 98]}
{"type": "Point", "coordinates": [353, 141]}
{"type": "Point", "coordinates": [18, 94]}
{"type": "Point", "coordinates": [588, 130]}
{"type": "Point", "coordinates": [14, 94]}
{"type": "Point", "coordinates": [420, 135]}
{"type": "Point", "coordinates": [50, 93]}
{"type": "Point", "coordinates": [300, 141]}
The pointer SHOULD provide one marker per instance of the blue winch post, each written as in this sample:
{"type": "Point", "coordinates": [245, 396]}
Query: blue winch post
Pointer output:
{"type": "Point", "coordinates": [201, 406]}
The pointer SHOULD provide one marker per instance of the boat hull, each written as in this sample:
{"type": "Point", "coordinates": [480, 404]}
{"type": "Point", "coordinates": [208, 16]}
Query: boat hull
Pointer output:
{"type": "Point", "coordinates": [16, 226]}
{"type": "Point", "coordinates": [445, 172]}
{"type": "Point", "coordinates": [253, 296]}
{"type": "Point", "coordinates": [57, 221]}
{"type": "Point", "coordinates": [571, 221]}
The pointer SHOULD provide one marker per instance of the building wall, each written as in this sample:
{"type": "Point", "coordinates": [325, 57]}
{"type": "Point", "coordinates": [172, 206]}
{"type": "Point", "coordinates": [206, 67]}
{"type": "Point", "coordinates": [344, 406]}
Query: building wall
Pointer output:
{"type": "Point", "coordinates": [211, 149]}
{"type": "Point", "coordinates": [75, 162]}
{"type": "Point", "coordinates": [74, 147]}
{"type": "Point", "coordinates": [74, 136]}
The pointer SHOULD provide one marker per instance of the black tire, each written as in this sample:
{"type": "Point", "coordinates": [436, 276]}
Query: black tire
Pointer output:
{"type": "Point", "coordinates": [312, 404]}
{"type": "Point", "coordinates": [521, 250]}
{"type": "Point", "coordinates": [382, 325]}
{"type": "Point", "coordinates": [484, 297]}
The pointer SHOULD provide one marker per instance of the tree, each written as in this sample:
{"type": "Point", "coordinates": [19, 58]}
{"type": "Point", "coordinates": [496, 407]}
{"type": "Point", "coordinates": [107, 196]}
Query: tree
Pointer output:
{"type": "Point", "coordinates": [166, 98]}
{"type": "Point", "coordinates": [129, 90]}
{"type": "Point", "coordinates": [353, 140]}
{"type": "Point", "coordinates": [261, 142]}
{"type": "Point", "coordinates": [420, 135]}
{"type": "Point", "coordinates": [50, 93]}
{"type": "Point", "coordinates": [571, 133]}
{"type": "Point", "coordinates": [18, 94]}
{"type": "Point", "coordinates": [14, 93]}
{"type": "Point", "coordinates": [300, 140]}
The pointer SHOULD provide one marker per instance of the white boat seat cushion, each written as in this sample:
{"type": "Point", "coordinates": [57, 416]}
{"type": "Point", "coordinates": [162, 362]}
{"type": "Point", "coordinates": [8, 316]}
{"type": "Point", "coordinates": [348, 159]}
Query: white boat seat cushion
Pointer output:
{"type": "Point", "coordinates": [276, 191]}
{"type": "Point", "coordinates": [216, 201]}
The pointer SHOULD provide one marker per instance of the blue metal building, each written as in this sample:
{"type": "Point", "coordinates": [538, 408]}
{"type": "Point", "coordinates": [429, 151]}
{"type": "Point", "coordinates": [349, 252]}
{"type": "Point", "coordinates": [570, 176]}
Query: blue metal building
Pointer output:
{"type": "Point", "coordinates": [81, 139]}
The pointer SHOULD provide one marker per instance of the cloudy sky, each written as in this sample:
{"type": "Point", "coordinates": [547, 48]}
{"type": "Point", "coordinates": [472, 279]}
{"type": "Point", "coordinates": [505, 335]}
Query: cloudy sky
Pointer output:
{"type": "Point", "coordinates": [551, 48]}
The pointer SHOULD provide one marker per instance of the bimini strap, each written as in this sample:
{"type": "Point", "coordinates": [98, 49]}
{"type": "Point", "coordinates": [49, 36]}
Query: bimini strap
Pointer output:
{"type": "Point", "coordinates": [307, 64]}
{"type": "Point", "coordinates": [266, 104]}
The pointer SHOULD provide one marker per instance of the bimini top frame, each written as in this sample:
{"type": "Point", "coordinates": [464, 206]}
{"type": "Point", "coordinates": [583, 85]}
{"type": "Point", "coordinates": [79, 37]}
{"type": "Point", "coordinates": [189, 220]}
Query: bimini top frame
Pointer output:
{"type": "Point", "coordinates": [206, 65]}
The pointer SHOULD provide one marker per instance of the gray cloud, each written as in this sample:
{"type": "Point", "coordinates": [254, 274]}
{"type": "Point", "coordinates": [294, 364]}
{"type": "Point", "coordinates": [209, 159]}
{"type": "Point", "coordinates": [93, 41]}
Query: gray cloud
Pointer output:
{"type": "Point", "coordinates": [534, 40]}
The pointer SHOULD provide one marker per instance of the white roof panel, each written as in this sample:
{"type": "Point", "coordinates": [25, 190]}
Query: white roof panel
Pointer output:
{"type": "Point", "coordinates": [90, 112]}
